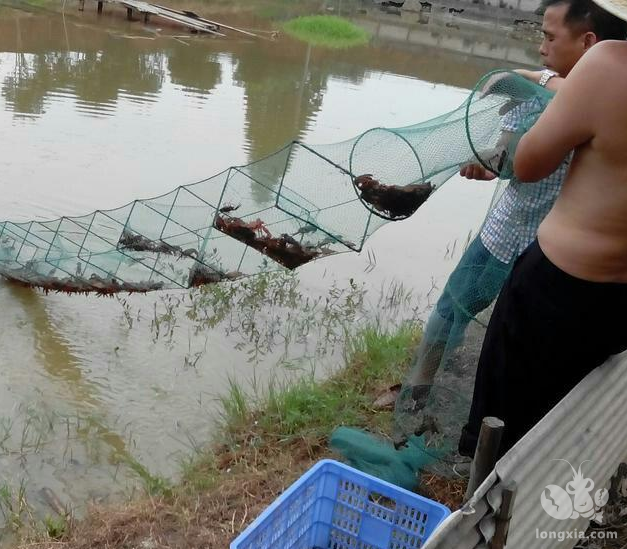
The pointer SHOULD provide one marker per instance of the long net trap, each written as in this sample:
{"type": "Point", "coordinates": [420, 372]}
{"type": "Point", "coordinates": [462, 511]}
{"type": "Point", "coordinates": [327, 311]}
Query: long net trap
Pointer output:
{"type": "Point", "coordinates": [301, 203]}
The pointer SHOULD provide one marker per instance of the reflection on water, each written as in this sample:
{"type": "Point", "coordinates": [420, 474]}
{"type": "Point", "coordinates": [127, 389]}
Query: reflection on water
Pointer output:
{"type": "Point", "coordinates": [97, 111]}
{"type": "Point", "coordinates": [55, 354]}
{"type": "Point", "coordinates": [67, 59]}
{"type": "Point", "coordinates": [52, 350]}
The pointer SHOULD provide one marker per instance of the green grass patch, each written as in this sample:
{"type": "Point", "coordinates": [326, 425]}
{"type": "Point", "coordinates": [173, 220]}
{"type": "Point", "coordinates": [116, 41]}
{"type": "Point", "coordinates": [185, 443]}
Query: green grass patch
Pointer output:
{"type": "Point", "coordinates": [311, 409]}
{"type": "Point", "coordinates": [326, 30]}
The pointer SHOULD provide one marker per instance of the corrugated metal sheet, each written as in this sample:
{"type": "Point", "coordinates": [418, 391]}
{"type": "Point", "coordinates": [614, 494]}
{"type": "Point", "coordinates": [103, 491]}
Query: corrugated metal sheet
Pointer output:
{"type": "Point", "coordinates": [588, 428]}
{"type": "Point", "coordinates": [461, 529]}
{"type": "Point", "coordinates": [589, 424]}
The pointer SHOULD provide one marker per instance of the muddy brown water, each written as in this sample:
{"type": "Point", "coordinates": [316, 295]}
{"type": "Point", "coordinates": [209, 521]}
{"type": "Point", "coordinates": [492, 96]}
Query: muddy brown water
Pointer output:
{"type": "Point", "coordinates": [96, 111]}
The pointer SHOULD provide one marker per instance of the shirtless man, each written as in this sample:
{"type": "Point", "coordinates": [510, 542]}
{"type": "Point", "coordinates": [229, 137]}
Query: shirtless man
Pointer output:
{"type": "Point", "coordinates": [561, 312]}
{"type": "Point", "coordinates": [570, 28]}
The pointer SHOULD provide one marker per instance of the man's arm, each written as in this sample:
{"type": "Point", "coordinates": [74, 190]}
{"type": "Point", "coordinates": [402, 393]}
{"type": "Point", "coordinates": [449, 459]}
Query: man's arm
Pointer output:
{"type": "Point", "coordinates": [567, 122]}
{"type": "Point", "coordinates": [553, 84]}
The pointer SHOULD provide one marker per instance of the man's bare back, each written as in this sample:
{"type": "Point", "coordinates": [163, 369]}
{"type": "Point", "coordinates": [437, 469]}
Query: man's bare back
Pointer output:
{"type": "Point", "coordinates": [585, 234]}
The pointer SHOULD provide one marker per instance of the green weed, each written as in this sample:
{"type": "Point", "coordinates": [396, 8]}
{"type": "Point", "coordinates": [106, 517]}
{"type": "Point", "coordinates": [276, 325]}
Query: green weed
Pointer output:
{"type": "Point", "coordinates": [14, 507]}
{"type": "Point", "coordinates": [55, 527]}
{"type": "Point", "coordinates": [327, 30]}
{"type": "Point", "coordinates": [155, 485]}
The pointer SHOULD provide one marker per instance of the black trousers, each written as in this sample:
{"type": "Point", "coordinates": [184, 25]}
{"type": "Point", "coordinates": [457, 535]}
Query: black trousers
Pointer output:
{"type": "Point", "coordinates": [547, 332]}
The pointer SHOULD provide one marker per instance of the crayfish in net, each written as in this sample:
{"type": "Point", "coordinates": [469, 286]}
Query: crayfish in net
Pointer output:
{"type": "Point", "coordinates": [103, 286]}
{"type": "Point", "coordinates": [394, 201]}
{"type": "Point", "coordinates": [200, 275]}
{"type": "Point", "coordinates": [138, 243]}
{"type": "Point", "coordinates": [284, 249]}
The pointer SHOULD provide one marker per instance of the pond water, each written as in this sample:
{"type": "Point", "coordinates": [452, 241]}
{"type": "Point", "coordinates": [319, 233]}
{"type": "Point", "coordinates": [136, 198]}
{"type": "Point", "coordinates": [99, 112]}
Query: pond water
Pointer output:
{"type": "Point", "coordinates": [96, 111]}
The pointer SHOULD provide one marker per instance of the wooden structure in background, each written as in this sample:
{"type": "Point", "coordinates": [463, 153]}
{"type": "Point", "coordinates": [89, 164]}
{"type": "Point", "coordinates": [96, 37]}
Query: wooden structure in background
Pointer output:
{"type": "Point", "coordinates": [188, 19]}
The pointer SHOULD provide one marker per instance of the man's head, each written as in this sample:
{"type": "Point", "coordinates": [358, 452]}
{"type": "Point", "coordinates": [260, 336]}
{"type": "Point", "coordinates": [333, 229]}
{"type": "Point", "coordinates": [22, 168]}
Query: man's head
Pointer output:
{"type": "Point", "coordinates": [571, 27]}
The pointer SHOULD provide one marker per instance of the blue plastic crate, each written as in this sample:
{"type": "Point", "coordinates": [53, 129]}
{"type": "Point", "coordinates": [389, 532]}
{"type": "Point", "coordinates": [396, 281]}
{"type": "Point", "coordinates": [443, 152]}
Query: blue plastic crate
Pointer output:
{"type": "Point", "coordinates": [333, 506]}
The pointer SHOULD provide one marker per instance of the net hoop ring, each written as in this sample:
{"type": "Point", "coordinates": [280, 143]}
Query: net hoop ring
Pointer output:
{"type": "Point", "coordinates": [356, 170]}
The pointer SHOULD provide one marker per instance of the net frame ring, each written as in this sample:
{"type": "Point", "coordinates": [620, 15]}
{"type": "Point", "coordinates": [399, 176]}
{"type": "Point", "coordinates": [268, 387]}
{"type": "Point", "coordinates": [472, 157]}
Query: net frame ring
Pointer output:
{"type": "Point", "coordinates": [358, 167]}
{"type": "Point", "coordinates": [476, 94]}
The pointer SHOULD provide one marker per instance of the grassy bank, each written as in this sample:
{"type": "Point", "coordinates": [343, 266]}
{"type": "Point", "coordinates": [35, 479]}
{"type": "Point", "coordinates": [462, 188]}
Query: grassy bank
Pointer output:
{"type": "Point", "coordinates": [263, 444]}
{"type": "Point", "coordinates": [326, 30]}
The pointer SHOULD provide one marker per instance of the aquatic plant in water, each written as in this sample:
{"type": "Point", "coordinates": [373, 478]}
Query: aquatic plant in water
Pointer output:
{"type": "Point", "coordinates": [272, 312]}
{"type": "Point", "coordinates": [326, 30]}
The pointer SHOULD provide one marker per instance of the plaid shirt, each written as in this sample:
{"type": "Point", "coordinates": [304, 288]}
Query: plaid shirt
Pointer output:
{"type": "Point", "coordinates": [513, 223]}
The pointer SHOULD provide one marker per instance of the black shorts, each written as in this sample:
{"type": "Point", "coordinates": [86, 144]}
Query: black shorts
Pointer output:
{"type": "Point", "coordinates": [547, 332]}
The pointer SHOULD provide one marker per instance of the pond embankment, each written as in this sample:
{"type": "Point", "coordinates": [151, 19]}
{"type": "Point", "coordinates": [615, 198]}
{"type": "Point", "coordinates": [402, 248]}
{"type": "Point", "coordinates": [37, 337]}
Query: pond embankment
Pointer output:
{"type": "Point", "coordinates": [264, 443]}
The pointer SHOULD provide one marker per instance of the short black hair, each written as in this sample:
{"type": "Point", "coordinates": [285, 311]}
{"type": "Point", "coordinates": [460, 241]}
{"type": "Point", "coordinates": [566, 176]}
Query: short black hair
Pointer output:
{"type": "Point", "coordinates": [586, 16]}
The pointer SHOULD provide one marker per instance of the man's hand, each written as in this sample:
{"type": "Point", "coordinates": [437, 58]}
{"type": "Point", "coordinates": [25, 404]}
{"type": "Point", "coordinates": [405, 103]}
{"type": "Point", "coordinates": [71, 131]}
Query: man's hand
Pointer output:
{"type": "Point", "coordinates": [476, 171]}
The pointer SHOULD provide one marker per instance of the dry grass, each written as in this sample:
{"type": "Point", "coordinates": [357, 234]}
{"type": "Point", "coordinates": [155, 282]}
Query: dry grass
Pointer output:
{"type": "Point", "coordinates": [190, 519]}
{"type": "Point", "coordinates": [447, 491]}
{"type": "Point", "coordinates": [211, 519]}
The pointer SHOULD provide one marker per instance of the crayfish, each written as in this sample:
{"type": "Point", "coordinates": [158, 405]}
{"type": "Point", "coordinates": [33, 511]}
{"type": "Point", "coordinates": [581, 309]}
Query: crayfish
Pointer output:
{"type": "Point", "coordinates": [395, 201]}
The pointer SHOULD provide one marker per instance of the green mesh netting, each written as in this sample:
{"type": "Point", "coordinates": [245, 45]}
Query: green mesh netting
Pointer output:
{"type": "Point", "coordinates": [373, 456]}
{"type": "Point", "coordinates": [434, 401]}
{"type": "Point", "coordinates": [435, 398]}
{"type": "Point", "coordinates": [298, 204]}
